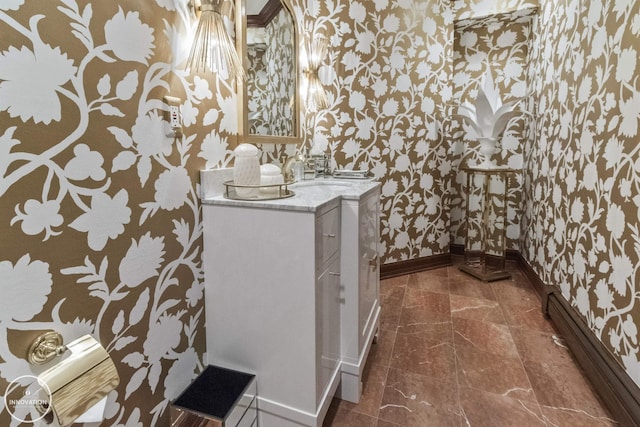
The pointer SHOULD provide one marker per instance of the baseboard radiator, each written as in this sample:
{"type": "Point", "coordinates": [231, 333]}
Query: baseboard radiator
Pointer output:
{"type": "Point", "coordinates": [615, 387]}
{"type": "Point", "coordinates": [608, 377]}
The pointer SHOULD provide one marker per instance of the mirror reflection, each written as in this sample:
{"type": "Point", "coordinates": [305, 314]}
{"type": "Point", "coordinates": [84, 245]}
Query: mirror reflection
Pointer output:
{"type": "Point", "coordinates": [270, 58]}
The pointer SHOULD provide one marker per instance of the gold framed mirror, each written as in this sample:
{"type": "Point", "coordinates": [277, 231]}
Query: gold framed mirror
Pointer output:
{"type": "Point", "coordinates": [267, 41]}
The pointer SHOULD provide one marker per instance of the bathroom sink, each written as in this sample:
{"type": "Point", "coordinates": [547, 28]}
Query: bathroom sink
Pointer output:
{"type": "Point", "coordinates": [311, 183]}
{"type": "Point", "coordinates": [330, 185]}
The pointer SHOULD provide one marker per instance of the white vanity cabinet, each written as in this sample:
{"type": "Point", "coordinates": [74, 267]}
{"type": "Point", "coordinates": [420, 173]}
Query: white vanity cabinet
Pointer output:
{"type": "Point", "coordinates": [272, 298]}
{"type": "Point", "coordinates": [360, 268]}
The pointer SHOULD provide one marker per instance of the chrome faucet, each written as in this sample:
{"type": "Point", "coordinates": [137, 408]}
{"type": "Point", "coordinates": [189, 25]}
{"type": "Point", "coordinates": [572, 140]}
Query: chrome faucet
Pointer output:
{"type": "Point", "coordinates": [299, 167]}
{"type": "Point", "coordinates": [321, 165]}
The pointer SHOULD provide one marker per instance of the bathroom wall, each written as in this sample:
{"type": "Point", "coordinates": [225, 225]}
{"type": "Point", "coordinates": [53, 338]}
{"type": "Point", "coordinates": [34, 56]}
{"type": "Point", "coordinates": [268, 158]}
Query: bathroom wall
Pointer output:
{"type": "Point", "coordinates": [581, 223]}
{"type": "Point", "coordinates": [387, 84]}
{"type": "Point", "coordinates": [99, 212]}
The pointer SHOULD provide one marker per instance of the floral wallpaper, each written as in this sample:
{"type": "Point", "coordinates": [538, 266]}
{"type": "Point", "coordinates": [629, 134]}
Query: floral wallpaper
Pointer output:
{"type": "Point", "coordinates": [388, 81]}
{"type": "Point", "coordinates": [271, 80]}
{"type": "Point", "coordinates": [580, 225]}
{"type": "Point", "coordinates": [99, 211]}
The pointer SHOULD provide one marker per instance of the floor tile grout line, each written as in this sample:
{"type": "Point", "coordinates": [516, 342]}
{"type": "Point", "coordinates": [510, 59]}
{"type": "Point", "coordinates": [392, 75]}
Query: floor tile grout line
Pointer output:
{"type": "Point", "coordinates": [386, 377]}
{"type": "Point", "coordinates": [461, 411]}
{"type": "Point", "coordinates": [387, 366]}
{"type": "Point", "coordinates": [502, 303]}
{"type": "Point", "coordinates": [395, 339]}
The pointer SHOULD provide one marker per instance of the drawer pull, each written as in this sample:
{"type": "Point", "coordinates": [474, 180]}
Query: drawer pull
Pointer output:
{"type": "Point", "coordinates": [333, 236]}
{"type": "Point", "coordinates": [333, 273]}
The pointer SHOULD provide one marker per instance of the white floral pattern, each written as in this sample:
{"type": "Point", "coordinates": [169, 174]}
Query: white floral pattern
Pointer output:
{"type": "Point", "coordinates": [26, 277]}
{"type": "Point", "coordinates": [85, 164]}
{"type": "Point", "coordinates": [105, 219]}
{"type": "Point", "coordinates": [39, 217]}
{"type": "Point", "coordinates": [30, 81]}
{"type": "Point", "coordinates": [128, 37]}
{"type": "Point", "coordinates": [142, 261]}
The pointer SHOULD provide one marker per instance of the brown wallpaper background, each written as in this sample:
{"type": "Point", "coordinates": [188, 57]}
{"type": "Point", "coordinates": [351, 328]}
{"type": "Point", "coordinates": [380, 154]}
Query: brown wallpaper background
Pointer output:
{"type": "Point", "coordinates": [99, 215]}
{"type": "Point", "coordinates": [387, 90]}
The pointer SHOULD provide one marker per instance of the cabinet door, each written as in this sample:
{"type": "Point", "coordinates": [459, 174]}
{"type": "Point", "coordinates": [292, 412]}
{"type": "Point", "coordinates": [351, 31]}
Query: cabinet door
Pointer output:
{"type": "Point", "coordinates": [369, 264]}
{"type": "Point", "coordinates": [327, 235]}
{"type": "Point", "coordinates": [327, 325]}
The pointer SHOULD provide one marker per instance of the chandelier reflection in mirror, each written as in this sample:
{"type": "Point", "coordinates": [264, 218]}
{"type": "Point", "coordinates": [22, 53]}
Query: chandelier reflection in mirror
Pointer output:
{"type": "Point", "coordinates": [213, 51]}
{"type": "Point", "coordinates": [316, 48]}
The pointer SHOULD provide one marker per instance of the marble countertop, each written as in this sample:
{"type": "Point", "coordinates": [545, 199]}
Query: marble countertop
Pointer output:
{"type": "Point", "coordinates": [309, 196]}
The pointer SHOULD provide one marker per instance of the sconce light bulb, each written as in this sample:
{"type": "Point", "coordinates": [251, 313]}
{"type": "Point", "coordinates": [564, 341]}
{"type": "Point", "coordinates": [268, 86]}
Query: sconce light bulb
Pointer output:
{"type": "Point", "coordinates": [316, 96]}
{"type": "Point", "coordinates": [213, 50]}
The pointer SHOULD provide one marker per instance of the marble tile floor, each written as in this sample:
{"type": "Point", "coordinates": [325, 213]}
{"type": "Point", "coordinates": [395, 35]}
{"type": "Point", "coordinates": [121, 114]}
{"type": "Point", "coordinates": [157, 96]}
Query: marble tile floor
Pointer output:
{"type": "Point", "coordinates": [456, 351]}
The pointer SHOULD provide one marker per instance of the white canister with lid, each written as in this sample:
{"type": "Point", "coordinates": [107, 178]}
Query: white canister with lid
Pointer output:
{"type": "Point", "coordinates": [246, 169]}
{"type": "Point", "coordinates": [270, 174]}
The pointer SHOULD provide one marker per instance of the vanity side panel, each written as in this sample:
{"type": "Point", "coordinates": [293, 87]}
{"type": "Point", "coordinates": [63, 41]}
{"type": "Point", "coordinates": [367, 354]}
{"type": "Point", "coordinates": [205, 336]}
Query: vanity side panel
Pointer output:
{"type": "Point", "coordinates": [258, 322]}
{"type": "Point", "coordinates": [360, 279]}
{"type": "Point", "coordinates": [369, 266]}
{"type": "Point", "coordinates": [349, 261]}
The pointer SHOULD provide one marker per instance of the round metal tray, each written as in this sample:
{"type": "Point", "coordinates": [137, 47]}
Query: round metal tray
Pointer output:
{"type": "Point", "coordinates": [254, 193]}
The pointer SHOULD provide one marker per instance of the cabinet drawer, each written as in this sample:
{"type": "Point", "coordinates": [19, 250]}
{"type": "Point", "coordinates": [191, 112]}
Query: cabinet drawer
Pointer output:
{"type": "Point", "coordinates": [327, 235]}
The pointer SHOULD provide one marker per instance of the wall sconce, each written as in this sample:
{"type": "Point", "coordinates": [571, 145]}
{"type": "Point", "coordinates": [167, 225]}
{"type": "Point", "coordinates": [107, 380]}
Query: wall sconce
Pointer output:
{"type": "Point", "coordinates": [316, 48]}
{"type": "Point", "coordinates": [213, 50]}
